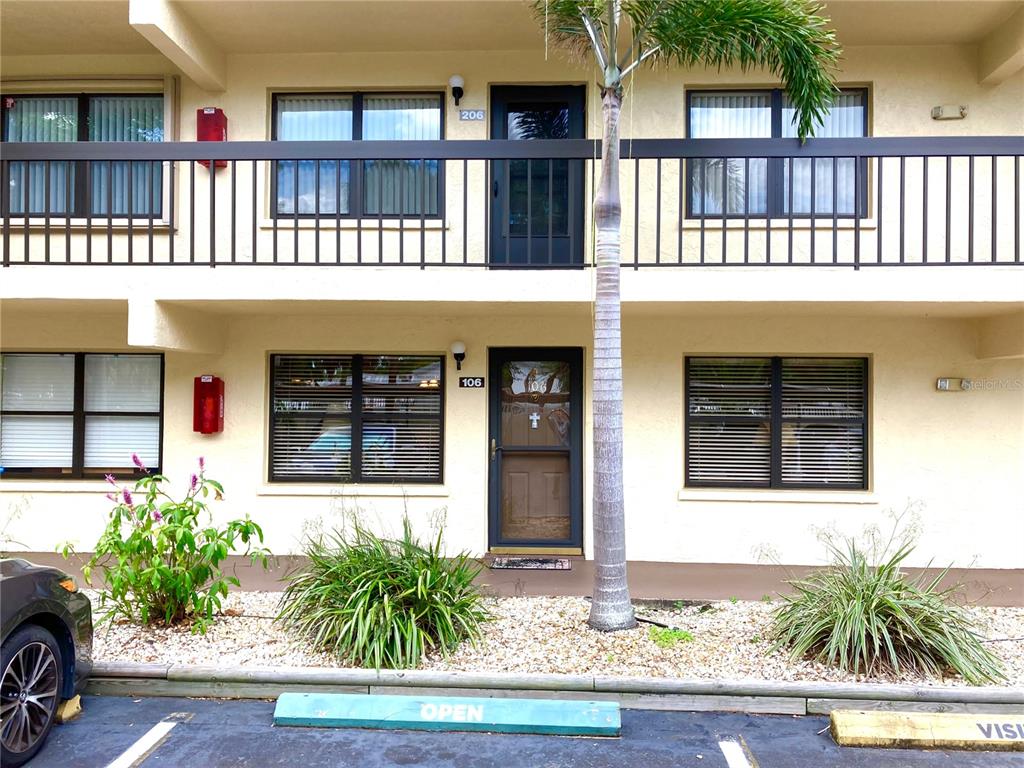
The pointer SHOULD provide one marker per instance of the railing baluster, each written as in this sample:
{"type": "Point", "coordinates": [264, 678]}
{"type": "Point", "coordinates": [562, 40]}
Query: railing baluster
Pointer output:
{"type": "Point", "coordinates": [970, 209]}
{"type": "Point", "coordinates": [255, 209]}
{"type": "Point", "coordinates": [814, 220]}
{"type": "Point", "coordinates": [316, 213]}
{"type": "Point", "coordinates": [924, 209]}
{"type": "Point", "coordinates": [172, 168]}
{"type": "Point", "coordinates": [295, 215]}
{"type": "Point", "coordinates": [725, 206]}
{"type": "Point", "coordinates": [679, 205]}
{"type": "Point", "coordinates": [506, 225]}
{"type": "Point", "coordinates": [856, 212]}
{"type": "Point", "coordinates": [401, 214]}
{"type": "Point", "coordinates": [657, 217]}
{"type": "Point", "coordinates": [5, 200]}
{"type": "Point", "coordinates": [423, 210]}
{"type": "Point", "coordinates": [275, 205]}
{"type": "Point", "coordinates": [903, 205]}
{"type": "Point", "coordinates": [213, 212]}
{"type": "Point", "coordinates": [465, 211]}
{"type": "Point", "coordinates": [380, 215]}
{"type": "Point", "coordinates": [337, 221]}
{"type": "Point", "coordinates": [995, 211]}
{"type": "Point", "coordinates": [28, 210]}
{"type": "Point", "coordinates": [130, 208]}
{"type": "Point", "coordinates": [234, 212]}
{"type": "Point", "coordinates": [835, 209]}
{"type": "Point", "coordinates": [110, 212]}
{"type": "Point", "coordinates": [152, 209]}
{"type": "Point", "coordinates": [636, 210]}
{"type": "Point", "coordinates": [442, 166]}
{"type": "Point", "coordinates": [746, 210]}
{"type": "Point", "coordinates": [949, 207]}
{"type": "Point", "coordinates": [1016, 209]}
{"type": "Point", "coordinates": [703, 203]}
{"type": "Point", "coordinates": [789, 235]}
{"type": "Point", "coordinates": [67, 212]}
{"type": "Point", "coordinates": [881, 210]}
{"type": "Point", "coordinates": [46, 212]}
{"type": "Point", "coordinates": [529, 211]}
{"type": "Point", "coordinates": [551, 192]}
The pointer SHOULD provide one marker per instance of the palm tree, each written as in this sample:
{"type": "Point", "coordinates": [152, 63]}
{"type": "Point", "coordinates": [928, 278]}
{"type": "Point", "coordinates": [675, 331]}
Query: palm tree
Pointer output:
{"type": "Point", "coordinates": [786, 37]}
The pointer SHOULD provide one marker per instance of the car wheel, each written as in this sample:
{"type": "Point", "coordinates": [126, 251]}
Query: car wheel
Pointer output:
{"type": "Point", "coordinates": [29, 692]}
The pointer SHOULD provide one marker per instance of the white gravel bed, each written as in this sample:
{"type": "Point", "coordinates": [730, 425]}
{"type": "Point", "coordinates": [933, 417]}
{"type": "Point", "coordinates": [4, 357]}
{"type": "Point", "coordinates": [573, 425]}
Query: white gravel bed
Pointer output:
{"type": "Point", "coordinates": [542, 635]}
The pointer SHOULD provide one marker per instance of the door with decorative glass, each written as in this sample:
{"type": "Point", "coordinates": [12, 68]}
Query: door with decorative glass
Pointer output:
{"type": "Point", "coordinates": [535, 448]}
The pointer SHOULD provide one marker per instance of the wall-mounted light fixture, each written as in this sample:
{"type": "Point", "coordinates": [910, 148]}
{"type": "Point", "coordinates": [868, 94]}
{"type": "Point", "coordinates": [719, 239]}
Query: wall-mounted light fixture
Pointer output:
{"type": "Point", "coordinates": [949, 112]}
{"type": "Point", "coordinates": [459, 353]}
{"type": "Point", "coordinates": [456, 83]}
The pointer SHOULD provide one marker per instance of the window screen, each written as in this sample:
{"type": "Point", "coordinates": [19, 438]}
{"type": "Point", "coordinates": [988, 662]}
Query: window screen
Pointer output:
{"type": "Point", "coordinates": [356, 418]}
{"type": "Point", "coordinates": [77, 415]}
{"type": "Point", "coordinates": [776, 422]}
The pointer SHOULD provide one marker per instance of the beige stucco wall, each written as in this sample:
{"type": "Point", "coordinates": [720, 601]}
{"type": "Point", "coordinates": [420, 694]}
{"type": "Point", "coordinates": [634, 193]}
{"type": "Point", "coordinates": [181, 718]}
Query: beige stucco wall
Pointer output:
{"type": "Point", "coordinates": [955, 457]}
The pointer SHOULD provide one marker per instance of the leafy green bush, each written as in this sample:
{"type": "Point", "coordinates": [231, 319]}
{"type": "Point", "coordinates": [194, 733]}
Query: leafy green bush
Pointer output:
{"type": "Point", "coordinates": [382, 602]}
{"type": "Point", "coordinates": [160, 558]}
{"type": "Point", "coordinates": [865, 618]}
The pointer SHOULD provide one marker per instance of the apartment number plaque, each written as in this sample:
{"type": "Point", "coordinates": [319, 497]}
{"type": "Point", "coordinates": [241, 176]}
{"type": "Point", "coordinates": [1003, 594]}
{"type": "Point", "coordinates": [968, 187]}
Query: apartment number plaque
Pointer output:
{"type": "Point", "coordinates": [471, 382]}
{"type": "Point", "coordinates": [471, 114]}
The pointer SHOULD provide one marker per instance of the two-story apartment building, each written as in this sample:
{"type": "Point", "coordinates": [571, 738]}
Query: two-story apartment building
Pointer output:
{"type": "Point", "coordinates": [813, 335]}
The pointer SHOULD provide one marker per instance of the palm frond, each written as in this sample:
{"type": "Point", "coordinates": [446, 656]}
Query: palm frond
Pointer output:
{"type": "Point", "coordinates": [565, 26]}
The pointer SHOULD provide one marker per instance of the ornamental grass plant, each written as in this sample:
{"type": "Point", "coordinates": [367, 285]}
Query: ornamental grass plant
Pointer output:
{"type": "Point", "coordinates": [867, 618]}
{"type": "Point", "coordinates": [380, 602]}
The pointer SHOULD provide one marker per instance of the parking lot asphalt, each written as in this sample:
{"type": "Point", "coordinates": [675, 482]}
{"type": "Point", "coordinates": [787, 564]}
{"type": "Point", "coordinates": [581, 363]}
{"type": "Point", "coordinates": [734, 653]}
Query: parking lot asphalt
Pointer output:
{"type": "Point", "coordinates": [214, 733]}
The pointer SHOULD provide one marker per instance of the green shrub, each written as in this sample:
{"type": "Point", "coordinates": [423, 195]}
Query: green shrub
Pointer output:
{"type": "Point", "coordinates": [160, 558]}
{"type": "Point", "coordinates": [863, 618]}
{"type": "Point", "coordinates": [382, 602]}
{"type": "Point", "coordinates": [668, 637]}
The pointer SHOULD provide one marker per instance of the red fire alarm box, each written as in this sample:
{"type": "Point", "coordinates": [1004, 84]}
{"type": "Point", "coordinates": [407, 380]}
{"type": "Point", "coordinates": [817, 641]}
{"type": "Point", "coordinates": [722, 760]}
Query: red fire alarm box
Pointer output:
{"type": "Point", "coordinates": [211, 125]}
{"type": "Point", "coordinates": [208, 405]}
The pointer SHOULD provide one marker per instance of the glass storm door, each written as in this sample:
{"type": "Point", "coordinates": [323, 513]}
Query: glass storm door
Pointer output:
{"type": "Point", "coordinates": [537, 205]}
{"type": "Point", "coordinates": [536, 481]}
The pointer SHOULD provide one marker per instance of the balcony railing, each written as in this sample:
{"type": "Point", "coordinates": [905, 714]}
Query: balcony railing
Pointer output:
{"type": "Point", "coordinates": [711, 202]}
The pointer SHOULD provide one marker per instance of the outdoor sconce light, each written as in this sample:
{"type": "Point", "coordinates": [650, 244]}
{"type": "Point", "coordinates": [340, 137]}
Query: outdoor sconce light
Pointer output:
{"type": "Point", "coordinates": [459, 353]}
{"type": "Point", "coordinates": [456, 83]}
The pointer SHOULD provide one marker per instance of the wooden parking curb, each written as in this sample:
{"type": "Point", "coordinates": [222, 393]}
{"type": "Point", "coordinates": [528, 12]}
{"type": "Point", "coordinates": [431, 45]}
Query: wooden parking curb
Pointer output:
{"type": "Point", "coordinates": [923, 730]}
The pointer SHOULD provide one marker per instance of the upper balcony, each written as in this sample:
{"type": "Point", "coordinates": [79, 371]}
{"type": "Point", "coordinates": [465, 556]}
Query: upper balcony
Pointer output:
{"type": "Point", "coordinates": [860, 202]}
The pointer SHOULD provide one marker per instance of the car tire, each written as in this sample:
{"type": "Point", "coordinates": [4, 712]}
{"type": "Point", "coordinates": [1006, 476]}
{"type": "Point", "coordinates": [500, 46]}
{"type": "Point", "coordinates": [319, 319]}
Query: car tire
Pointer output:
{"type": "Point", "coordinates": [28, 697]}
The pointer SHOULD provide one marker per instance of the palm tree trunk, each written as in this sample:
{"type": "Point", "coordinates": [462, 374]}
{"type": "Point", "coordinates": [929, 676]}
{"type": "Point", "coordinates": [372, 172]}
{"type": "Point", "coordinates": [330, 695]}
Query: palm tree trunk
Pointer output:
{"type": "Point", "coordinates": [611, 608]}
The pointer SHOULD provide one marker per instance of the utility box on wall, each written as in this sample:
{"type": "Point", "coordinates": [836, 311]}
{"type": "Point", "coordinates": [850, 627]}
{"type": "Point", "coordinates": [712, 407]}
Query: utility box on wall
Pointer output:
{"type": "Point", "coordinates": [211, 125]}
{"type": "Point", "coordinates": [208, 405]}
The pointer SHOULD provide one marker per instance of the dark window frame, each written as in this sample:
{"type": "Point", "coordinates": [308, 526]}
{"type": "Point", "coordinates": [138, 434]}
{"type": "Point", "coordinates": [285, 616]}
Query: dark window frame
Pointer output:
{"type": "Point", "coordinates": [775, 421]}
{"type": "Point", "coordinates": [776, 174]}
{"type": "Point", "coordinates": [78, 470]}
{"type": "Point", "coordinates": [81, 194]}
{"type": "Point", "coordinates": [356, 416]}
{"type": "Point", "coordinates": [357, 168]}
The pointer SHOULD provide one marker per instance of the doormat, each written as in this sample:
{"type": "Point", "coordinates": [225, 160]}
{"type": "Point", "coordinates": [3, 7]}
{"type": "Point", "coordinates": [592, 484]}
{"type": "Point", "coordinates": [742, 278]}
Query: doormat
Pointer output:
{"type": "Point", "coordinates": [532, 563]}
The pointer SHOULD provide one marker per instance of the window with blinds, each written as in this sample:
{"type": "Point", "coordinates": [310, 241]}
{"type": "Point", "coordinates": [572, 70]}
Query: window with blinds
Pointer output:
{"type": "Point", "coordinates": [79, 415]}
{"type": "Point", "coordinates": [331, 187]}
{"type": "Point", "coordinates": [72, 188]}
{"type": "Point", "coordinates": [758, 186]}
{"type": "Point", "coordinates": [776, 422]}
{"type": "Point", "coordinates": [356, 418]}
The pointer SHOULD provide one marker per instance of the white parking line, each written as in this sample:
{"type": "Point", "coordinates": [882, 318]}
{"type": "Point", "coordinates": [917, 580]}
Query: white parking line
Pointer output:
{"type": "Point", "coordinates": [734, 754]}
{"type": "Point", "coordinates": [150, 740]}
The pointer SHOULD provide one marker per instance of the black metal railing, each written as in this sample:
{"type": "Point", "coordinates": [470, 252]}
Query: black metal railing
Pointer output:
{"type": "Point", "coordinates": [709, 202]}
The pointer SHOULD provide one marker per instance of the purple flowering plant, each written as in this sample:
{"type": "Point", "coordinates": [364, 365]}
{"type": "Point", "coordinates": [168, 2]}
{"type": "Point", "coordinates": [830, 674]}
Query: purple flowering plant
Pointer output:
{"type": "Point", "coordinates": [160, 557]}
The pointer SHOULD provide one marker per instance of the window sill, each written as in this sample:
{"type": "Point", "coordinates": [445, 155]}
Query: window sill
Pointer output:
{"type": "Point", "coordinates": [98, 225]}
{"type": "Point", "coordinates": [777, 496]}
{"type": "Point", "coordinates": [352, 491]}
{"type": "Point", "coordinates": [368, 224]}
{"type": "Point", "coordinates": [712, 224]}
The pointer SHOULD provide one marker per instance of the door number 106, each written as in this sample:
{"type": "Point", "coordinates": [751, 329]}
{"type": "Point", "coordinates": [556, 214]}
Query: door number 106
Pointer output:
{"type": "Point", "coordinates": [471, 382]}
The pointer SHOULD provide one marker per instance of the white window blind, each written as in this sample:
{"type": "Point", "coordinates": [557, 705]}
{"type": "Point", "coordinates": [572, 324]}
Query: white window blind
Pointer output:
{"type": "Point", "coordinates": [312, 117]}
{"type": "Point", "coordinates": [401, 186]}
{"type": "Point", "coordinates": [46, 118]}
{"type": "Point", "coordinates": [45, 404]}
{"type": "Point", "coordinates": [776, 422]}
{"type": "Point", "coordinates": [126, 118]}
{"type": "Point", "coordinates": [389, 407]}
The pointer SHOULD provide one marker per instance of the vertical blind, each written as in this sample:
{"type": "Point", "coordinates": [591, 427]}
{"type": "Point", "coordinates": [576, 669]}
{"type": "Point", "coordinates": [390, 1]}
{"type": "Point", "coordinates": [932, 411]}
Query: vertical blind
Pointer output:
{"type": "Point", "coordinates": [107, 118]}
{"type": "Point", "coordinates": [390, 187]}
{"type": "Point", "coordinates": [729, 115]}
{"type": "Point", "coordinates": [352, 418]}
{"type": "Point", "coordinates": [776, 422]}
{"type": "Point", "coordinates": [119, 414]}
{"type": "Point", "coordinates": [745, 185]}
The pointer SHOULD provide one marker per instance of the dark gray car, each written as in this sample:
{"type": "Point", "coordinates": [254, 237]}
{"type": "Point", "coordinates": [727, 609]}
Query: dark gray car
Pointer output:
{"type": "Point", "coordinates": [46, 653]}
